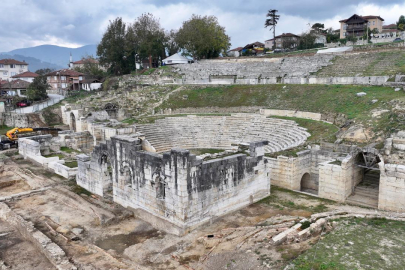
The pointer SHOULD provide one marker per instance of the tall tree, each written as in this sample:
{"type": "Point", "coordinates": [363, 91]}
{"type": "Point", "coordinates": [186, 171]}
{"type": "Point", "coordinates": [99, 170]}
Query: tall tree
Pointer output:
{"type": "Point", "coordinates": [272, 22]}
{"type": "Point", "coordinates": [401, 23]}
{"type": "Point", "coordinates": [111, 50]}
{"type": "Point", "coordinates": [318, 28]}
{"type": "Point", "coordinates": [149, 37]}
{"type": "Point", "coordinates": [37, 89]}
{"type": "Point", "coordinates": [171, 45]}
{"type": "Point", "coordinates": [44, 71]}
{"type": "Point", "coordinates": [202, 37]}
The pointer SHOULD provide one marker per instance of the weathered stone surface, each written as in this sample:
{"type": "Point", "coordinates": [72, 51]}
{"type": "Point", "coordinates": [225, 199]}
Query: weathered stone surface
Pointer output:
{"type": "Point", "coordinates": [175, 186]}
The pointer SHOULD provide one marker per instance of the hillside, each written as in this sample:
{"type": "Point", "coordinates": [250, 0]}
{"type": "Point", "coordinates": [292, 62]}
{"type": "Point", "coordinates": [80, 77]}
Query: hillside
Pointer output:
{"type": "Point", "coordinates": [54, 54]}
{"type": "Point", "coordinates": [34, 63]}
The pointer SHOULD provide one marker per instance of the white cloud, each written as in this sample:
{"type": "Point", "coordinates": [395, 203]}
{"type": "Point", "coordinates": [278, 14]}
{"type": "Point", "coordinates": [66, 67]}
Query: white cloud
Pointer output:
{"type": "Point", "coordinates": [78, 22]}
{"type": "Point", "coordinates": [69, 27]}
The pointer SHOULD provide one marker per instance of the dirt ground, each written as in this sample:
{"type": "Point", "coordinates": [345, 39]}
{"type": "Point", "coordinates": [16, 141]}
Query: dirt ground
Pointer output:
{"type": "Point", "coordinates": [98, 234]}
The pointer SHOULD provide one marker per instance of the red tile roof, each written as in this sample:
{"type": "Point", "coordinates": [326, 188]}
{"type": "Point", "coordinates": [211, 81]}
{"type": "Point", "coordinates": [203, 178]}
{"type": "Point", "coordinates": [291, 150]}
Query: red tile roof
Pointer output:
{"type": "Point", "coordinates": [27, 74]}
{"type": "Point", "coordinates": [12, 62]}
{"type": "Point", "coordinates": [16, 84]}
{"type": "Point", "coordinates": [65, 72]}
{"type": "Point", "coordinates": [390, 26]}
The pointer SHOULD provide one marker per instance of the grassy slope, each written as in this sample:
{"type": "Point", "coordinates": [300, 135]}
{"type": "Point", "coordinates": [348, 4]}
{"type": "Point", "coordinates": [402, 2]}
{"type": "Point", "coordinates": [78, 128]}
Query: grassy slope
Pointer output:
{"type": "Point", "coordinates": [312, 98]}
{"type": "Point", "coordinates": [358, 244]}
{"type": "Point", "coordinates": [320, 131]}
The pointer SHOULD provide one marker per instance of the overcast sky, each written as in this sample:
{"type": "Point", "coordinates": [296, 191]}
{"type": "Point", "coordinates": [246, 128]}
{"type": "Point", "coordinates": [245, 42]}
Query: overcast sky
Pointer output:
{"type": "Point", "coordinates": [74, 23]}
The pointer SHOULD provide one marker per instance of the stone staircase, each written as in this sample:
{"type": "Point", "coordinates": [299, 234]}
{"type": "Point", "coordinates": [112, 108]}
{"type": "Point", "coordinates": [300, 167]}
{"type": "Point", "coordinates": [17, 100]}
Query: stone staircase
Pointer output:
{"type": "Point", "coordinates": [366, 193]}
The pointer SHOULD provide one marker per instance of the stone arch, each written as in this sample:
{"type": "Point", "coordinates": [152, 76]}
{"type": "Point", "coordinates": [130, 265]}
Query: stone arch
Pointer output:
{"type": "Point", "coordinates": [112, 109]}
{"type": "Point", "coordinates": [308, 184]}
{"type": "Point", "coordinates": [72, 121]}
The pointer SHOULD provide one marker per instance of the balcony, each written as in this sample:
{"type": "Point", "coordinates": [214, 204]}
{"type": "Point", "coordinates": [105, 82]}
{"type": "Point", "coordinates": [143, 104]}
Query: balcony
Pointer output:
{"type": "Point", "coordinates": [355, 28]}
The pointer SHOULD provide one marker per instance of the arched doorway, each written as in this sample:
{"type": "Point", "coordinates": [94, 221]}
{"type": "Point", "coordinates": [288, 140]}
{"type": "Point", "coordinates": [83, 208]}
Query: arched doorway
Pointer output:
{"type": "Point", "coordinates": [366, 179]}
{"type": "Point", "coordinates": [73, 121]}
{"type": "Point", "coordinates": [308, 184]}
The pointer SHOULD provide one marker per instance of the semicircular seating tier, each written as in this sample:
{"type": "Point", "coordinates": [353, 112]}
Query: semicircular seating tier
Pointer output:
{"type": "Point", "coordinates": [220, 132]}
{"type": "Point", "coordinates": [255, 68]}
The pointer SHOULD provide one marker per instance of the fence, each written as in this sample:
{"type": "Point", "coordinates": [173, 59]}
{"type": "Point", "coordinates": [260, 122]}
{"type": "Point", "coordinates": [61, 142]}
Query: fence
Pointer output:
{"type": "Point", "coordinates": [39, 106]}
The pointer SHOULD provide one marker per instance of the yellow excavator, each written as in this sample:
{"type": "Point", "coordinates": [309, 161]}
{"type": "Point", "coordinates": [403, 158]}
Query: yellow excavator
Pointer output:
{"type": "Point", "coordinates": [13, 134]}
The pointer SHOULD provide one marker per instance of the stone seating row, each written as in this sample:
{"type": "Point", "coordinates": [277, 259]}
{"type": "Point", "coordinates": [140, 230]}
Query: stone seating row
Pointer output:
{"type": "Point", "coordinates": [222, 132]}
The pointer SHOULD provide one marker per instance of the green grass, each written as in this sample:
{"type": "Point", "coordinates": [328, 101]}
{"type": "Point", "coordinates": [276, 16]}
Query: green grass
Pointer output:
{"type": "Point", "coordinates": [71, 164]}
{"type": "Point", "coordinates": [320, 131]}
{"type": "Point", "coordinates": [338, 99]}
{"type": "Point", "coordinates": [358, 243]}
{"type": "Point", "coordinates": [149, 71]}
{"type": "Point", "coordinates": [68, 150]}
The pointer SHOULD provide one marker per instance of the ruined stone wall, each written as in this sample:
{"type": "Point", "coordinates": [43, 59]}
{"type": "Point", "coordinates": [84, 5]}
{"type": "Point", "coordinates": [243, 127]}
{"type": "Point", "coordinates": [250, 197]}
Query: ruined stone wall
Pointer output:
{"type": "Point", "coordinates": [176, 186]}
{"type": "Point", "coordinates": [392, 188]}
{"type": "Point", "coordinates": [337, 182]}
{"type": "Point", "coordinates": [82, 141]}
{"type": "Point", "coordinates": [34, 147]}
{"type": "Point", "coordinates": [287, 172]}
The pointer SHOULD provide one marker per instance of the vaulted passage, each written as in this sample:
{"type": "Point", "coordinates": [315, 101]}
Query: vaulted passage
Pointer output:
{"type": "Point", "coordinates": [308, 184]}
{"type": "Point", "coordinates": [366, 181]}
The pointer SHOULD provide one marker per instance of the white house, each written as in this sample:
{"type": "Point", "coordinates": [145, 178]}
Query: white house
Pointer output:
{"type": "Point", "coordinates": [235, 52]}
{"type": "Point", "coordinates": [91, 84]}
{"type": "Point", "coordinates": [27, 76]}
{"type": "Point", "coordinates": [175, 59]}
{"type": "Point", "coordinates": [11, 67]}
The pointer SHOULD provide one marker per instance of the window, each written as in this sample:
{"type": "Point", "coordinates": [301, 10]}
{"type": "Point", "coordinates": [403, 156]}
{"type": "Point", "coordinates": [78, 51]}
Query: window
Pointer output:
{"type": "Point", "coordinates": [12, 66]}
{"type": "Point", "coordinates": [55, 78]}
{"type": "Point", "coordinates": [13, 73]}
{"type": "Point", "coordinates": [80, 78]}
{"type": "Point", "coordinates": [48, 78]}
{"type": "Point", "coordinates": [5, 73]}
{"type": "Point", "coordinates": [55, 85]}
{"type": "Point", "coordinates": [63, 78]}
{"type": "Point", "coordinates": [22, 66]}
{"type": "Point", "coordinates": [373, 22]}
{"type": "Point", "coordinates": [1, 66]}
{"type": "Point", "coordinates": [344, 26]}
{"type": "Point", "coordinates": [63, 85]}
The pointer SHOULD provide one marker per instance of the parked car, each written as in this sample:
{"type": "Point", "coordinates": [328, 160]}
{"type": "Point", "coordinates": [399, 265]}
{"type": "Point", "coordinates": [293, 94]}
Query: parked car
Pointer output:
{"type": "Point", "coordinates": [23, 103]}
{"type": "Point", "coordinates": [397, 40]}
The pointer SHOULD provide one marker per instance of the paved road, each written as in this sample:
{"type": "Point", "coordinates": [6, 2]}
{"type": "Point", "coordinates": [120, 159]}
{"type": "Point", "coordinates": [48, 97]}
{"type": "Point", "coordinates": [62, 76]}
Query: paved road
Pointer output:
{"type": "Point", "coordinates": [53, 98]}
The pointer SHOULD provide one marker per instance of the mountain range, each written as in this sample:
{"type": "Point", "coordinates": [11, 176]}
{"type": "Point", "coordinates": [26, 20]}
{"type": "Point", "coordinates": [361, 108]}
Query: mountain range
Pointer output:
{"type": "Point", "coordinates": [49, 56]}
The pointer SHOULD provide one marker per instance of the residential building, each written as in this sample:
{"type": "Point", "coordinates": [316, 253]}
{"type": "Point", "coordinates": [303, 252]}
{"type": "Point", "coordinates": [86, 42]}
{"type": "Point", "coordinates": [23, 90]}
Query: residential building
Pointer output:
{"type": "Point", "coordinates": [82, 62]}
{"type": "Point", "coordinates": [235, 52]}
{"type": "Point", "coordinates": [27, 76]}
{"type": "Point", "coordinates": [11, 67]}
{"type": "Point", "coordinates": [64, 80]}
{"type": "Point", "coordinates": [356, 25]}
{"type": "Point", "coordinates": [292, 39]}
{"type": "Point", "coordinates": [14, 88]}
{"type": "Point", "coordinates": [256, 48]}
